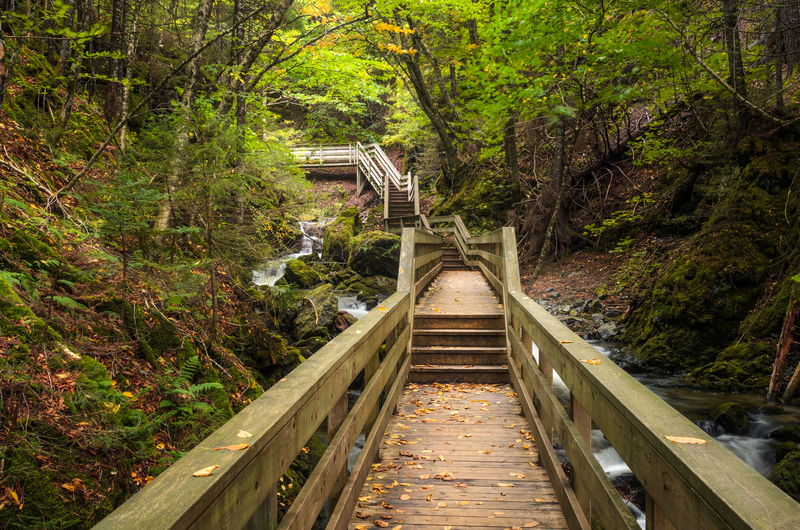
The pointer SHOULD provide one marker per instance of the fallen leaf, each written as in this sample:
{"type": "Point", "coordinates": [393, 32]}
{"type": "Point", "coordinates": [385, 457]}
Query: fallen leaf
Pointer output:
{"type": "Point", "coordinates": [358, 332]}
{"type": "Point", "coordinates": [244, 434]}
{"type": "Point", "coordinates": [565, 342]}
{"type": "Point", "coordinates": [485, 452]}
{"type": "Point", "coordinates": [361, 527]}
{"type": "Point", "coordinates": [530, 524]}
{"type": "Point", "coordinates": [386, 517]}
{"type": "Point", "coordinates": [426, 487]}
{"type": "Point", "coordinates": [128, 395]}
{"type": "Point", "coordinates": [365, 498]}
{"type": "Point", "coordinates": [498, 513]}
{"type": "Point", "coordinates": [518, 475]}
{"type": "Point", "coordinates": [510, 426]}
{"type": "Point", "coordinates": [684, 440]}
{"type": "Point", "coordinates": [405, 497]}
{"type": "Point", "coordinates": [206, 471]}
{"type": "Point", "coordinates": [479, 503]}
{"type": "Point", "coordinates": [442, 504]}
{"type": "Point", "coordinates": [505, 485]}
{"type": "Point", "coordinates": [362, 515]}
{"type": "Point", "coordinates": [284, 379]}
{"type": "Point", "coordinates": [540, 500]}
{"type": "Point", "coordinates": [429, 497]}
{"type": "Point", "coordinates": [590, 361]}
{"type": "Point", "coordinates": [237, 447]}
{"type": "Point", "coordinates": [463, 503]}
{"type": "Point", "coordinates": [424, 477]}
{"type": "Point", "coordinates": [62, 376]}
{"type": "Point", "coordinates": [382, 524]}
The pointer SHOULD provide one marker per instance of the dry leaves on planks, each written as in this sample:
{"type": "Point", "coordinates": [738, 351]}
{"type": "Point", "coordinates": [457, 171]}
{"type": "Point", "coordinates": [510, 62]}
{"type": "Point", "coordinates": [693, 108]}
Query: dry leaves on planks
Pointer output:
{"type": "Point", "coordinates": [590, 361]}
{"type": "Point", "coordinates": [684, 440]}
{"type": "Point", "coordinates": [206, 471]}
{"type": "Point", "coordinates": [237, 447]}
{"type": "Point", "coordinates": [244, 434]}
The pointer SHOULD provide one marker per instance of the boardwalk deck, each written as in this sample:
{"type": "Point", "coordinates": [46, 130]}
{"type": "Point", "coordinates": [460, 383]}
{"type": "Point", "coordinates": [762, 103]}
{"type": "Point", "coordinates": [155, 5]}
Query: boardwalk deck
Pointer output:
{"type": "Point", "coordinates": [458, 456]}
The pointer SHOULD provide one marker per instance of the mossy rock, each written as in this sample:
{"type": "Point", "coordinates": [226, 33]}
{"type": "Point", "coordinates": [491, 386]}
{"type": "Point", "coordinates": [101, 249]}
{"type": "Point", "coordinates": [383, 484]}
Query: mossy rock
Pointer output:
{"type": "Point", "coordinates": [312, 344]}
{"type": "Point", "coordinates": [744, 366]}
{"type": "Point", "coordinates": [786, 475]}
{"type": "Point", "coordinates": [316, 320]}
{"type": "Point", "coordinates": [787, 433]}
{"type": "Point", "coordinates": [18, 321]}
{"type": "Point", "coordinates": [785, 449]}
{"type": "Point", "coordinates": [480, 198]}
{"type": "Point", "coordinates": [732, 418]}
{"type": "Point", "coordinates": [375, 254]}
{"type": "Point", "coordinates": [299, 273]}
{"type": "Point", "coordinates": [336, 241]}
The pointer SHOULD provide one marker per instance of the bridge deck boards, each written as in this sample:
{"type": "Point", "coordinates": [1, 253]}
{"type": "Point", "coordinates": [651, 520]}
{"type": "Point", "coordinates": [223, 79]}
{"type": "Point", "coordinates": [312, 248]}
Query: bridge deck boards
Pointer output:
{"type": "Point", "coordinates": [459, 293]}
{"type": "Point", "coordinates": [458, 456]}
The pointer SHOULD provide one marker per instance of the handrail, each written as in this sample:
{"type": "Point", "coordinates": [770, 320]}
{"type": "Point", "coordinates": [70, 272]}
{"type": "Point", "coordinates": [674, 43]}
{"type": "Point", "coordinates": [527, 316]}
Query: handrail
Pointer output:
{"type": "Point", "coordinates": [370, 158]}
{"type": "Point", "coordinates": [688, 486]}
{"type": "Point", "coordinates": [243, 489]}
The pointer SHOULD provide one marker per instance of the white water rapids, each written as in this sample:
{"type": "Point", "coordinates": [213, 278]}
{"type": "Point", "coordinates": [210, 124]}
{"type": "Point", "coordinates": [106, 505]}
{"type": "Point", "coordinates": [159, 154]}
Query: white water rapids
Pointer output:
{"type": "Point", "coordinates": [273, 271]}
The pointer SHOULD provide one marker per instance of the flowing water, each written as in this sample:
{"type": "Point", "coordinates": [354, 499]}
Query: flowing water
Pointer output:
{"type": "Point", "coordinates": [350, 303]}
{"type": "Point", "coordinates": [272, 271]}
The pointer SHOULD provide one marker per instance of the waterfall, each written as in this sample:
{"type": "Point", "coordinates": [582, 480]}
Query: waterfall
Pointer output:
{"type": "Point", "coordinates": [273, 271]}
{"type": "Point", "coordinates": [351, 304]}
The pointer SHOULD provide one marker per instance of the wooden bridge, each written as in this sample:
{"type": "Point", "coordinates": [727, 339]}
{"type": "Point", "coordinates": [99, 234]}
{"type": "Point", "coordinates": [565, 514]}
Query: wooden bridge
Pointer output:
{"type": "Point", "coordinates": [400, 193]}
{"type": "Point", "coordinates": [449, 443]}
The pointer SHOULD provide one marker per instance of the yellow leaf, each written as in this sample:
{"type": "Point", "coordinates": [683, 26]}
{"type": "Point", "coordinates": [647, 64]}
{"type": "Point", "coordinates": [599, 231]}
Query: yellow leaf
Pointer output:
{"type": "Point", "coordinates": [16, 498]}
{"type": "Point", "coordinates": [284, 379]}
{"type": "Point", "coordinates": [590, 361]}
{"type": "Point", "coordinates": [505, 485]}
{"type": "Point", "coordinates": [442, 504]}
{"type": "Point", "coordinates": [540, 500]}
{"type": "Point", "coordinates": [115, 409]}
{"type": "Point", "coordinates": [463, 503]}
{"type": "Point", "coordinates": [237, 447]}
{"type": "Point", "coordinates": [382, 524]}
{"type": "Point", "coordinates": [128, 395]}
{"type": "Point", "coordinates": [684, 440]}
{"type": "Point", "coordinates": [206, 471]}
{"type": "Point", "coordinates": [84, 423]}
{"type": "Point", "coordinates": [244, 434]}
{"type": "Point", "coordinates": [530, 524]}
{"type": "Point", "coordinates": [424, 477]}
{"type": "Point", "coordinates": [565, 342]}
{"type": "Point", "coordinates": [404, 497]}
{"type": "Point", "coordinates": [361, 527]}
{"type": "Point", "coordinates": [62, 376]}
{"type": "Point", "coordinates": [479, 503]}
{"type": "Point", "coordinates": [365, 498]}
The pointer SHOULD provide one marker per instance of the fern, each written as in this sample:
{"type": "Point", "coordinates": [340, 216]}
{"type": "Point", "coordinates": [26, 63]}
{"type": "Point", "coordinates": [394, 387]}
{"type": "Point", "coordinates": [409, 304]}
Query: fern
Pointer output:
{"type": "Point", "coordinates": [181, 385]}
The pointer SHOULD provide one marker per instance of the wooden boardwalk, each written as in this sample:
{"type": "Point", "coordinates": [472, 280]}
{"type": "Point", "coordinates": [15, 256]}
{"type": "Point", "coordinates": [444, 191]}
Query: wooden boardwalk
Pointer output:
{"type": "Point", "coordinates": [458, 456]}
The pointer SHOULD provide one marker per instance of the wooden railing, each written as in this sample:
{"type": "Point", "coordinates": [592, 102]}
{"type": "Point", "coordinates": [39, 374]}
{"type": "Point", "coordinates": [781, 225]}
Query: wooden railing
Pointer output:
{"type": "Point", "coordinates": [242, 491]}
{"type": "Point", "coordinates": [689, 486]}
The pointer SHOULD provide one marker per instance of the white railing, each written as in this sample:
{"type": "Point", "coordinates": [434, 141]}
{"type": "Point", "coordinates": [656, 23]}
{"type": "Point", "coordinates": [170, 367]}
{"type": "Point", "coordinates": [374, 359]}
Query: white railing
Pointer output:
{"type": "Point", "coordinates": [370, 159]}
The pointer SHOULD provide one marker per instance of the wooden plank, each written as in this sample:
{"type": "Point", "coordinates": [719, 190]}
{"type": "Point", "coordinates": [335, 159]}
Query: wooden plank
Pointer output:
{"type": "Point", "coordinates": [496, 284]}
{"type": "Point", "coordinates": [321, 482]}
{"type": "Point", "coordinates": [703, 485]}
{"type": "Point", "coordinates": [427, 258]}
{"type": "Point", "coordinates": [563, 489]}
{"type": "Point", "coordinates": [500, 483]}
{"type": "Point", "coordinates": [340, 517]}
{"type": "Point", "coordinates": [491, 258]}
{"type": "Point", "coordinates": [289, 412]}
{"type": "Point", "coordinates": [405, 276]}
{"type": "Point", "coordinates": [495, 236]}
{"type": "Point", "coordinates": [422, 284]}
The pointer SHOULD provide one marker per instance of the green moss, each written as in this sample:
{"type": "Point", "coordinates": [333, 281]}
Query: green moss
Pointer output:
{"type": "Point", "coordinates": [744, 366]}
{"type": "Point", "coordinates": [787, 433]}
{"type": "Point", "coordinates": [785, 449]}
{"type": "Point", "coordinates": [336, 241]}
{"type": "Point", "coordinates": [17, 320]}
{"type": "Point", "coordinates": [299, 273]}
{"type": "Point", "coordinates": [481, 198]}
{"type": "Point", "coordinates": [732, 418]}
{"type": "Point", "coordinates": [375, 254]}
{"type": "Point", "coordinates": [786, 475]}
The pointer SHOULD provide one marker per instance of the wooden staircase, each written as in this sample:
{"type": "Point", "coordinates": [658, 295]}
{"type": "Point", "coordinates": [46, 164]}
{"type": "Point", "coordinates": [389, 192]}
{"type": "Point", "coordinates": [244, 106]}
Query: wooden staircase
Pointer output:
{"type": "Point", "coordinates": [451, 259]}
{"type": "Point", "coordinates": [399, 210]}
{"type": "Point", "coordinates": [459, 332]}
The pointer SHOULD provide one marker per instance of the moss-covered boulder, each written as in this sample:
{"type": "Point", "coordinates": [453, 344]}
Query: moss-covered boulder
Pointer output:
{"type": "Point", "coordinates": [312, 344]}
{"type": "Point", "coordinates": [336, 241]}
{"type": "Point", "coordinates": [300, 274]}
{"type": "Point", "coordinates": [744, 366]}
{"type": "Point", "coordinates": [732, 418]}
{"type": "Point", "coordinates": [316, 319]}
{"type": "Point", "coordinates": [786, 475]}
{"type": "Point", "coordinates": [18, 321]}
{"type": "Point", "coordinates": [375, 254]}
{"type": "Point", "coordinates": [785, 449]}
{"type": "Point", "coordinates": [786, 433]}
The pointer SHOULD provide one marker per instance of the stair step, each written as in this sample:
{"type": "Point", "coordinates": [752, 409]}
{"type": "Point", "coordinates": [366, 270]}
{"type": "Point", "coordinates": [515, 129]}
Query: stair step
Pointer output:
{"type": "Point", "coordinates": [459, 337]}
{"type": "Point", "coordinates": [454, 374]}
{"type": "Point", "coordinates": [458, 355]}
{"type": "Point", "coordinates": [436, 321]}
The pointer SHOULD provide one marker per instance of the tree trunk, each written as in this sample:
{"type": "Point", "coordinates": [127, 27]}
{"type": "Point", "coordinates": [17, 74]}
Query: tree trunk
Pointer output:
{"type": "Point", "coordinates": [784, 344]}
{"type": "Point", "coordinates": [510, 147]}
{"type": "Point", "coordinates": [189, 93]}
{"type": "Point", "coordinates": [213, 271]}
{"type": "Point", "coordinates": [733, 48]}
{"type": "Point", "coordinates": [130, 50]}
{"type": "Point", "coordinates": [4, 71]}
{"type": "Point", "coordinates": [558, 182]}
{"type": "Point", "coordinates": [117, 39]}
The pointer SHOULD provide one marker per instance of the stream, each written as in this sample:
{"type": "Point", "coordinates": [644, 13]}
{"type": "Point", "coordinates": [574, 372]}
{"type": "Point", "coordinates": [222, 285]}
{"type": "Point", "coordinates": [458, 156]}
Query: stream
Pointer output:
{"type": "Point", "coordinates": [696, 404]}
{"type": "Point", "coordinates": [272, 271]}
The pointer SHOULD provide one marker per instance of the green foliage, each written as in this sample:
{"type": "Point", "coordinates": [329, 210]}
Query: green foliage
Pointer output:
{"type": "Point", "coordinates": [187, 401]}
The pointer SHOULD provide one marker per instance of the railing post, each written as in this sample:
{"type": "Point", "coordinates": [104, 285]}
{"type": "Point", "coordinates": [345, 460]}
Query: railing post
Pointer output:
{"type": "Point", "coordinates": [266, 516]}
{"type": "Point", "coordinates": [583, 423]}
{"type": "Point", "coordinates": [335, 418]}
{"type": "Point", "coordinates": [656, 518]}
